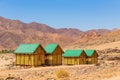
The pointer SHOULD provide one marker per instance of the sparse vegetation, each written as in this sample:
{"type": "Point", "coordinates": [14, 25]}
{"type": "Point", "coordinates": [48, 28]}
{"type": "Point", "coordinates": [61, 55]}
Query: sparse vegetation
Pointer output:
{"type": "Point", "coordinates": [61, 73]}
{"type": "Point", "coordinates": [6, 51]}
{"type": "Point", "coordinates": [98, 64]}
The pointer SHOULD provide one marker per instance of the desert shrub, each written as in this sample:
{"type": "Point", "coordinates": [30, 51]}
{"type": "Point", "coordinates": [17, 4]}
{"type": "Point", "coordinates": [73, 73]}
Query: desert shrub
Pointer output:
{"type": "Point", "coordinates": [97, 64]}
{"type": "Point", "coordinates": [6, 51]}
{"type": "Point", "coordinates": [61, 73]}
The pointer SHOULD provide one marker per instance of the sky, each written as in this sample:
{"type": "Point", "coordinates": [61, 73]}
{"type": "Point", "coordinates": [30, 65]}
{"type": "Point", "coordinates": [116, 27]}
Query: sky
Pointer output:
{"type": "Point", "coordinates": [80, 14]}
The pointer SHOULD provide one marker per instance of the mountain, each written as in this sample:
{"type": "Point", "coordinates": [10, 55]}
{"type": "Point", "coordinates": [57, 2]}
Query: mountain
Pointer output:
{"type": "Point", "coordinates": [15, 32]}
{"type": "Point", "coordinates": [111, 38]}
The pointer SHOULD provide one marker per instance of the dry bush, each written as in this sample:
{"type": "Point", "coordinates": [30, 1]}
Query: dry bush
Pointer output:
{"type": "Point", "coordinates": [61, 73]}
{"type": "Point", "coordinates": [97, 64]}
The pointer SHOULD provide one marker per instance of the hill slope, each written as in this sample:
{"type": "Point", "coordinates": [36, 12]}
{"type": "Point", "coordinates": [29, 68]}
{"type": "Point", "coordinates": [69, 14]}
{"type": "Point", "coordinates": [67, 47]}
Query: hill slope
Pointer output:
{"type": "Point", "coordinates": [15, 32]}
{"type": "Point", "coordinates": [109, 40]}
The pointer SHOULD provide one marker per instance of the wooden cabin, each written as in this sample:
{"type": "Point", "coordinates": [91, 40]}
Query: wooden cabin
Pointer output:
{"type": "Point", "coordinates": [30, 55]}
{"type": "Point", "coordinates": [74, 57]}
{"type": "Point", "coordinates": [53, 54]}
{"type": "Point", "coordinates": [92, 57]}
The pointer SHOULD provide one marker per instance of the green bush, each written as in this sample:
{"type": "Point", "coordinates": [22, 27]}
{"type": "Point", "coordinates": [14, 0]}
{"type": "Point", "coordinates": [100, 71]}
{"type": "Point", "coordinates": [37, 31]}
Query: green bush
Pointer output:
{"type": "Point", "coordinates": [6, 51]}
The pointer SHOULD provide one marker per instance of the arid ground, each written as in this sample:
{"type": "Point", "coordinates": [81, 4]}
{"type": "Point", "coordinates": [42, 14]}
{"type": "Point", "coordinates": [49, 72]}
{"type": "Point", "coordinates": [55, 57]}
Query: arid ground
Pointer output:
{"type": "Point", "coordinates": [108, 68]}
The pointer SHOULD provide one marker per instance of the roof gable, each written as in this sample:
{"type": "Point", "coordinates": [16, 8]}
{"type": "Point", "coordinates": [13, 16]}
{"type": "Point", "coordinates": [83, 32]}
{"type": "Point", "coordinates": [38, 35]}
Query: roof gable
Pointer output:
{"type": "Point", "coordinates": [26, 48]}
{"type": "Point", "coordinates": [50, 48]}
{"type": "Point", "coordinates": [72, 53]}
{"type": "Point", "coordinates": [89, 53]}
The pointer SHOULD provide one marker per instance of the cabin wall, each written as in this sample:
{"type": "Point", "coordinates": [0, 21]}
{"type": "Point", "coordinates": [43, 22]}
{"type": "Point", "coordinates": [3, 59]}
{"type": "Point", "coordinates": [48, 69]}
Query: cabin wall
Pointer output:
{"type": "Point", "coordinates": [57, 56]}
{"type": "Point", "coordinates": [18, 59]}
{"type": "Point", "coordinates": [60, 59]}
{"type": "Point", "coordinates": [75, 60]}
{"type": "Point", "coordinates": [89, 60]}
{"type": "Point", "coordinates": [72, 60]}
{"type": "Point", "coordinates": [96, 60]}
{"type": "Point", "coordinates": [83, 58]}
{"type": "Point", "coordinates": [22, 59]}
{"type": "Point", "coordinates": [65, 60]}
{"type": "Point", "coordinates": [56, 59]}
{"type": "Point", "coordinates": [35, 60]}
{"type": "Point", "coordinates": [26, 56]}
{"type": "Point", "coordinates": [49, 59]}
{"type": "Point", "coordinates": [42, 59]}
{"type": "Point", "coordinates": [39, 56]}
{"type": "Point", "coordinates": [38, 60]}
{"type": "Point", "coordinates": [69, 60]}
{"type": "Point", "coordinates": [42, 55]}
{"type": "Point", "coordinates": [31, 59]}
{"type": "Point", "coordinates": [93, 59]}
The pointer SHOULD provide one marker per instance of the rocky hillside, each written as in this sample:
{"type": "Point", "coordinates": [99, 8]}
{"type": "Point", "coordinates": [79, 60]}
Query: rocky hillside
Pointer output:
{"type": "Point", "coordinates": [15, 32]}
{"type": "Point", "coordinates": [109, 40]}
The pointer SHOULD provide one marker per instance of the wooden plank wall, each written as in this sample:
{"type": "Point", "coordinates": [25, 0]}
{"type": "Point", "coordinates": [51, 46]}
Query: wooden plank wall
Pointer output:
{"type": "Point", "coordinates": [50, 57]}
{"type": "Point", "coordinates": [26, 56]}
{"type": "Point", "coordinates": [57, 56]}
{"type": "Point", "coordinates": [55, 59]}
{"type": "Point", "coordinates": [75, 60]}
{"type": "Point", "coordinates": [18, 59]}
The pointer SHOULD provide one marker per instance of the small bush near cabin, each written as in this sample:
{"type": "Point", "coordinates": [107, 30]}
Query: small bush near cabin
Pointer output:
{"type": "Point", "coordinates": [61, 73]}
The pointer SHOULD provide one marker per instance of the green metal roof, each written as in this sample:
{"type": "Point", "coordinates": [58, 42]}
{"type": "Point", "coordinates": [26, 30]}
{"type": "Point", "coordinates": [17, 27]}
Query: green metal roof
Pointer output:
{"type": "Point", "coordinates": [72, 53]}
{"type": "Point", "coordinates": [26, 48]}
{"type": "Point", "coordinates": [89, 53]}
{"type": "Point", "coordinates": [50, 48]}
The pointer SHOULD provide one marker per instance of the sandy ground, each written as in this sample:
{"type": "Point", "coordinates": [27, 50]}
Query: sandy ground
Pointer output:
{"type": "Point", "coordinates": [106, 70]}
{"type": "Point", "coordinates": [80, 72]}
{"type": "Point", "coordinates": [113, 78]}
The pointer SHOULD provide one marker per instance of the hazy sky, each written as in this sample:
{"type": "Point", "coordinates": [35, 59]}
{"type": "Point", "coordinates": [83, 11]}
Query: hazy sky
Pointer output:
{"type": "Point", "coordinates": [81, 14]}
